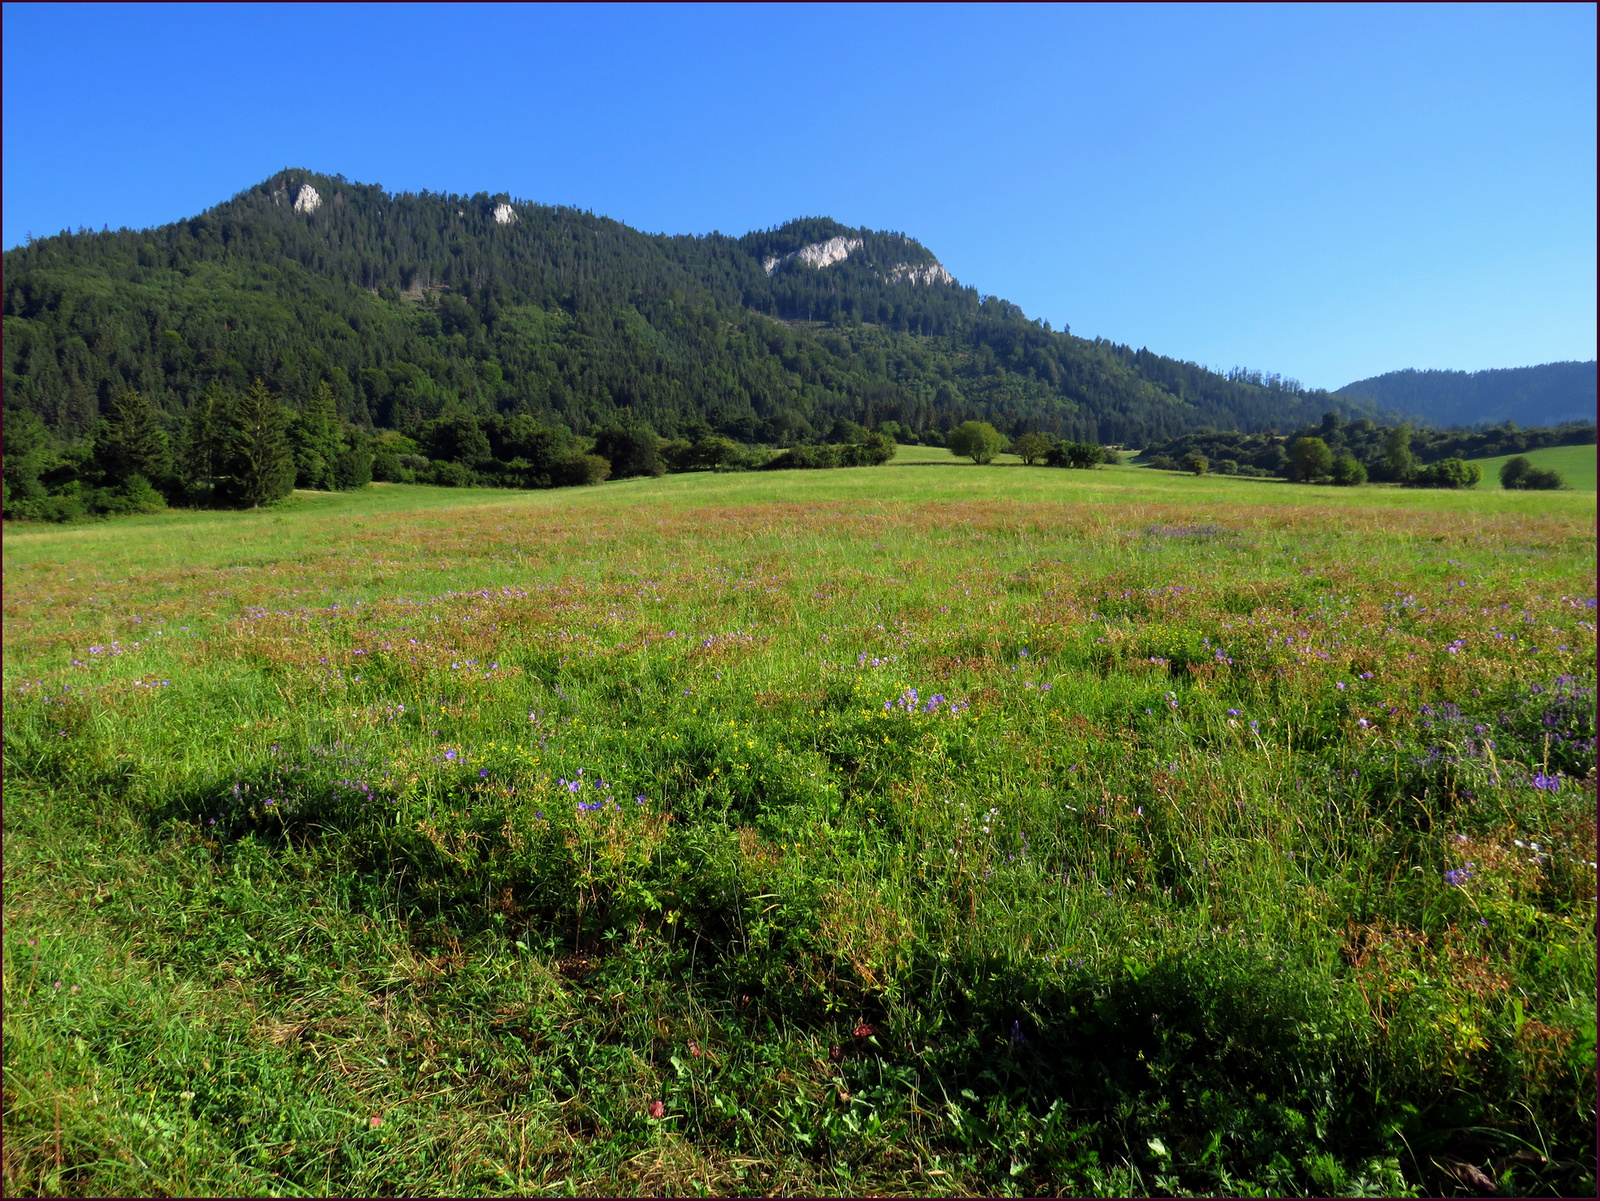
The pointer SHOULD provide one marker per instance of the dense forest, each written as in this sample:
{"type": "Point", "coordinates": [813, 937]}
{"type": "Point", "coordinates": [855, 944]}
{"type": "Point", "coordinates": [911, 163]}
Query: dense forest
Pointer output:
{"type": "Point", "coordinates": [412, 308]}
{"type": "Point", "coordinates": [1547, 395]}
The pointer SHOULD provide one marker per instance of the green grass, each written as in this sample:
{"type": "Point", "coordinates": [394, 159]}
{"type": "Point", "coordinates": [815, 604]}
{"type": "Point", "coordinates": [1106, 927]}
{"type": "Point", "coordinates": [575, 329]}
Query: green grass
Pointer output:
{"type": "Point", "coordinates": [1575, 463]}
{"type": "Point", "coordinates": [1153, 899]}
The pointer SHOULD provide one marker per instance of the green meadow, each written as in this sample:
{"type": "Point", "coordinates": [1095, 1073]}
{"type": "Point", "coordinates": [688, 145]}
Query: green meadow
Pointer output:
{"type": "Point", "coordinates": [1576, 465]}
{"type": "Point", "coordinates": [926, 829]}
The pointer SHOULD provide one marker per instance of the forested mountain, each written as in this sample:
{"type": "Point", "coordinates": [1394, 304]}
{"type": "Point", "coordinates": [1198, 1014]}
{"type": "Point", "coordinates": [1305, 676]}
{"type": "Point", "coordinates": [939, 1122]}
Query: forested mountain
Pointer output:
{"type": "Point", "coordinates": [410, 307]}
{"type": "Point", "coordinates": [1546, 395]}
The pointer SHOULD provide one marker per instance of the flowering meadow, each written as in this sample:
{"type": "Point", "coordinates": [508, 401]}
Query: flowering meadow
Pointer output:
{"type": "Point", "coordinates": [928, 829]}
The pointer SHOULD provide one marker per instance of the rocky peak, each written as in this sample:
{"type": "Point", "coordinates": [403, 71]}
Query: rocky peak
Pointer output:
{"type": "Point", "coordinates": [504, 214]}
{"type": "Point", "coordinates": [306, 199]}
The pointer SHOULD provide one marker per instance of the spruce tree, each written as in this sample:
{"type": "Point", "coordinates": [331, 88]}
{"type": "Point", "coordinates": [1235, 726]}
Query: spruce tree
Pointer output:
{"type": "Point", "coordinates": [205, 441]}
{"type": "Point", "coordinates": [132, 442]}
{"type": "Point", "coordinates": [258, 464]}
{"type": "Point", "coordinates": [316, 440]}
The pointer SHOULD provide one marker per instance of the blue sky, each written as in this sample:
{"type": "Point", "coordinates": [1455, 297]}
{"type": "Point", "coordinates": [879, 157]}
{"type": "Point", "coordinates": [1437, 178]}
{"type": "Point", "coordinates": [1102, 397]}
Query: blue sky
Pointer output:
{"type": "Point", "coordinates": [1329, 192]}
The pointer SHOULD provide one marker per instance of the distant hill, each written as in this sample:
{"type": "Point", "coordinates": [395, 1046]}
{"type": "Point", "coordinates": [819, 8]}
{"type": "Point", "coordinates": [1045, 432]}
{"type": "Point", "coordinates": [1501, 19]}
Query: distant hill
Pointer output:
{"type": "Point", "coordinates": [412, 305]}
{"type": "Point", "coordinates": [1549, 394]}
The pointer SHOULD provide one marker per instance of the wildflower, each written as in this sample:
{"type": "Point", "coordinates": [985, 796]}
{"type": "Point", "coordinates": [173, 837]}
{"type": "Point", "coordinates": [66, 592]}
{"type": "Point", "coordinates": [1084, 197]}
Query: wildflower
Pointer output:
{"type": "Point", "coordinates": [1457, 876]}
{"type": "Point", "coordinates": [1547, 783]}
{"type": "Point", "coordinates": [374, 1121]}
{"type": "Point", "coordinates": [657, 1110]}
{"type": "Point", "coordinates": [1340, 685]}
{"type": "Point", "coordinates": [449, 754]}
{"type": "Point", "coordinates": [483, 771]}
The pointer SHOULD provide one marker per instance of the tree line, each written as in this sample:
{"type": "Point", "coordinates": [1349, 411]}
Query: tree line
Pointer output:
{"type": "Point", "coordinates": [1352, 452]}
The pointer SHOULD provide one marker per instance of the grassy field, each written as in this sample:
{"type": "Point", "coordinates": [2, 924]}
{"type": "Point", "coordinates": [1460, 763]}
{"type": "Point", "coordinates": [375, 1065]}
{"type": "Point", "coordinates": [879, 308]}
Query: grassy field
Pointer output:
{"type": "Point", "coordinates": [1575, 463]}
{"type": "Point", "coordinates": [924, 829]}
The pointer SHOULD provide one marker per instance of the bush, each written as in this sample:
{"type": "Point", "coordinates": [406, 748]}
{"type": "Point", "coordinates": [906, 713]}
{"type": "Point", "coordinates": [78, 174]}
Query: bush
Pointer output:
{"type": "Point", "coordinates": [1447, 473]}
{"type": "Point", "coordinates": [1348, 471]}
{"type": "Point", "coordinates": [580, 470]}
{"type": "Point", "coordinates": [872, 450]}
{"type": "Point", "coordinates": [975, 440]}
{"type": "Point", "coordinates": [1543, 479]}
{"type": "Point", "coordinates": [806, 456]}
{"type": "Point", "coordinates": [1112, 456]}
{"type": "Point", "coordinates": [1520, 473]}
{"type": "Point", "coordinates": [1075, 454]}
{"type": "Point", "coordinates": [1196, 464]}
{"type": "Point", "coordinates": [1163, 462]}
{"type": "Point", "coordinates": [1227, 467]}
{"type": "Point", "coordinates": [448, 474]}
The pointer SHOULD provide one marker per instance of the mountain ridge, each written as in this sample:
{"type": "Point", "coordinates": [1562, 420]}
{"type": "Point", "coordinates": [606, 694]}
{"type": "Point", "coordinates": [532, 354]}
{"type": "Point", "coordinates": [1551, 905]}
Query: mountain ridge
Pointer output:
{"type": "Point", "coordinates": [1543, 395]}
{"type": "Point", "coordinates": [414, 304]}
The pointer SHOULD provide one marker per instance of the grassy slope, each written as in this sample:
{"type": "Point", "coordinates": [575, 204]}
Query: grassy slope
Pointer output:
{"type": "Point", "coordinates": [1575, 463]}
{"type": "Point", "coordinates": [1202, 986]}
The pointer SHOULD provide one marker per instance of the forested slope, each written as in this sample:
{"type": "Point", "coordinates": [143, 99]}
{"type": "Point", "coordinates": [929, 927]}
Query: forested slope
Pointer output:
{"type": "Point", "coordinates": [1545, 395]}
{"type": "Point", "coordinates": [410, 306]}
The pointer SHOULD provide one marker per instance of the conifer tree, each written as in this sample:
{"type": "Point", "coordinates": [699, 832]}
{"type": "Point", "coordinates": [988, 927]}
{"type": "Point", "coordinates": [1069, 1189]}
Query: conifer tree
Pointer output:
{"type": "Point", "coordinates": [205, 439]}
{"type": "Point", "coordinates": [132, 442]}
{"type": "Point", "coordinates": [317, 440]}
{"type": "Point", "coordinates": [258, 463]}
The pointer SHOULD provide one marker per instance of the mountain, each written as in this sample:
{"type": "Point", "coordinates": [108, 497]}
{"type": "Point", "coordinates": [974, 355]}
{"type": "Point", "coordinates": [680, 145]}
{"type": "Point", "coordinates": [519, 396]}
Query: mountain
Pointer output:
{"type": "Point", "coordinates": [1530, 396]}
{"type": "Point", "coordinates": [414, 305]}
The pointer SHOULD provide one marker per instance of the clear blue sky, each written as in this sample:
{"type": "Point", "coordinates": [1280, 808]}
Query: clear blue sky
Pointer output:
{"type": "Point", "coordinates": [1328, 192]}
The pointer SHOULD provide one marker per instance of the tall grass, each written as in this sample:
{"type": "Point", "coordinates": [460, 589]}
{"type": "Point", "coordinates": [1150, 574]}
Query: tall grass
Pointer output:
{"type": "Point", "coordinates": [925, 828]}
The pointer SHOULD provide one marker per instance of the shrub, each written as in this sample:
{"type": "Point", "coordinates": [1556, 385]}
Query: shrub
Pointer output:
{"type": "Point", "coordinates": [1447, 473]}
{"type": "Point", "coordinates": [1111, 456]}
{"type": "Point", "coordinates": [1227, 467]}
{"type": "Point", "coordinates": [133, 495]}
{"type": "Point", "coordinates": [975, 440]}
{"type": "Point", "coordinates": [807, 456]}
{"type": "Point", "coordinates": [1076, 454]}
{"type": "Point", "coordinates": [448, 474]}
{"type": "Point", "coordinates": [1348, 471]}
{"type": "Point", "coordinates": [1520, 473]}
{"type": "Point", "coordinates": [1197, 464]}
{"type": "Point", "coordinates": [1163, 462]}
{"type": "Point", "coordinates": [580, 470]}
{"type": "Point", "coordinates": [872, 451]}
{"type": "Point", "coordinates": [1543, 479]}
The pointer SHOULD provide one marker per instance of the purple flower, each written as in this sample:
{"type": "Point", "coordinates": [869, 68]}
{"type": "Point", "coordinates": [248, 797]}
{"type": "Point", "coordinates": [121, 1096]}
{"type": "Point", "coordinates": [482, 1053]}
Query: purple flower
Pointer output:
{"type": "Point", "coordinates": [1547, 783]}
{"type": "Point", "coordinates": [449, 754]}
{"type": "Point", "coordinates": [483, 771]}
{"type": "Point", "coordinates": [1458, 876]}
{"type": "Point", "coordinates": [1234, 713]}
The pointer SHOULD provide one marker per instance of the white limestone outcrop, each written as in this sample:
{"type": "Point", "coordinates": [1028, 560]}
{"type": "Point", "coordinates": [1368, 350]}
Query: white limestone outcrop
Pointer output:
{"type": "Point", "coordinates": [504, 214]}
{"type": "Point", "coordinates": [932, 273]}
{"type": "Point", "coordinates": [818, 254]}
{"type": "Point", "coordinates": [306, 199]}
